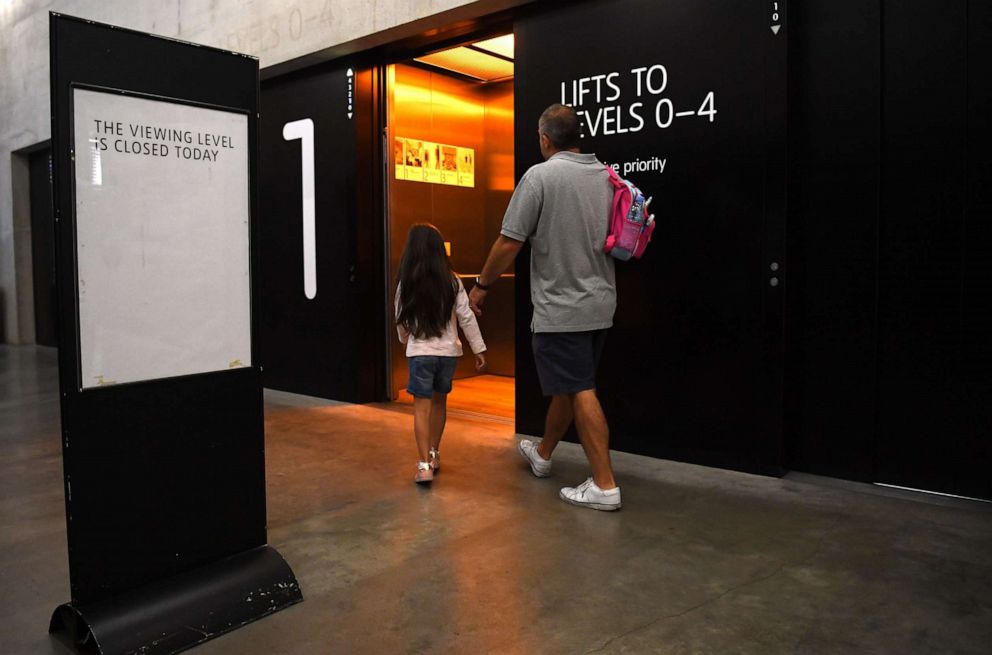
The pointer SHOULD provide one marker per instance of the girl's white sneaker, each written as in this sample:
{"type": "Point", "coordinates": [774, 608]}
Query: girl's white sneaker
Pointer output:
{"type": "Point", "coordinates": [435, 456]}
{"type": "Point", "coordinates": [589, 495]}
{"type": "Point", "coordinates": [425, 473]}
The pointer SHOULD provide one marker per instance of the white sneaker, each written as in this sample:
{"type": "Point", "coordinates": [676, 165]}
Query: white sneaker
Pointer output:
{"type": "Point", "coordinates": [589, 495]}
{"type": "Point", "coordinates": [538, 465]}
{"type": "Point", "coordinates": [425, 474]}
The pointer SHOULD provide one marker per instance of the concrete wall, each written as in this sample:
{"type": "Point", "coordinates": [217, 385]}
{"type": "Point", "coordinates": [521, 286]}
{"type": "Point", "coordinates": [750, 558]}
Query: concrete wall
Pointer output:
{"type": "Point", "coordinates": [273, 30]}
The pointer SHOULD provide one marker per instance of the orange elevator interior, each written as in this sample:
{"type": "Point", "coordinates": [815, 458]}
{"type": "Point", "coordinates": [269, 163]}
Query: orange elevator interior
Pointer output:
{"type": "Point", "coordinates": [450, 163]}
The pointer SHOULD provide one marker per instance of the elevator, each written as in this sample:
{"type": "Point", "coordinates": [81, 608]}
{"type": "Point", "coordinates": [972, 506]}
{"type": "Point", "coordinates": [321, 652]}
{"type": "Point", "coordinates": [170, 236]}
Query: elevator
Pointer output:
{"type": "Point", "coordinates": [449, 161]}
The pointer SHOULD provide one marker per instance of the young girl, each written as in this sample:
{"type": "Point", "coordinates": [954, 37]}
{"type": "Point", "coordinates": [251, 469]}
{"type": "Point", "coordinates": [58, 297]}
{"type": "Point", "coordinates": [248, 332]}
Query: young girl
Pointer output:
{"type": "Point", "coordinates": [429, 297]}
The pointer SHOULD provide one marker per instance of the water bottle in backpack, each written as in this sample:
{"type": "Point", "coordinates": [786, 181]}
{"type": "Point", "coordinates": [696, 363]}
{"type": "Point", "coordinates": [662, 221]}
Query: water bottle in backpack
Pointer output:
{"type": "Point", "coordinates": [631, 224]}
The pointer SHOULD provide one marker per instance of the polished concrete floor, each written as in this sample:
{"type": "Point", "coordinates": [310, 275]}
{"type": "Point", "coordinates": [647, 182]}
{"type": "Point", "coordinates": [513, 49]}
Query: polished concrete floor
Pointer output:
{"type": "Point", "coordinates": [490, 561]}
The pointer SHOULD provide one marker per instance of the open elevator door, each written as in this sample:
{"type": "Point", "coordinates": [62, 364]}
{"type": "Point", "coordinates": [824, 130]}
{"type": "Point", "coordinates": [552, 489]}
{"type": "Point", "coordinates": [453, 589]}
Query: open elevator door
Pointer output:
{"type": "Point", "coordinates": [449, 162]}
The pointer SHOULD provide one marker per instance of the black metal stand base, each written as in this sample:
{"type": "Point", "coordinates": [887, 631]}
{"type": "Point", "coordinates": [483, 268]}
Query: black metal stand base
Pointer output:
{"type": "Point", "coordinates": [181, 612]}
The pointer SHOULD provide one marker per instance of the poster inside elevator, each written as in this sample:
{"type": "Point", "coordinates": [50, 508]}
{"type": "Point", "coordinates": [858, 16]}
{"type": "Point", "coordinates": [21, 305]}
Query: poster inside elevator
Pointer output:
{"type": "Point", "coordinates": [684, 98]}
{"type": "Point", "coordinates": [162, 241]}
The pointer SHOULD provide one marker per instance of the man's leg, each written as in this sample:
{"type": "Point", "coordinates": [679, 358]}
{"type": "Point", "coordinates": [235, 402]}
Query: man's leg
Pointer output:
{"type": "Point", "coordinates": [594, 434]}
{"type": "Point", "coordinates": [555, 424]}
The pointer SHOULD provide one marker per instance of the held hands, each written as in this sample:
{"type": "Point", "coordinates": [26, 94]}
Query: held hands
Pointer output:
{"type": "Point", "coordinates": [480, 361]}
{"type": "Point", "coordinates": [475, 299]}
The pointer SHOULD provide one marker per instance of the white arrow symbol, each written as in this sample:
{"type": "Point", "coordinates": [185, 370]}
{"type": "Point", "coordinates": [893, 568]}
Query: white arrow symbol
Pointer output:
{"type": "Point", "coordinates": [349, 115]}
{"type": "Point", "coordinates": [776, 28]}
{"type": "Point", "coordinates": [350, 72]}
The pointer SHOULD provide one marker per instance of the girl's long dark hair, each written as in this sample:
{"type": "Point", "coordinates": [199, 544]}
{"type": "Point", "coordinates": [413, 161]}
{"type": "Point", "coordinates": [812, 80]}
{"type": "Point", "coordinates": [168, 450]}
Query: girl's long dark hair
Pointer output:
{"type": "Point", "coordinates": [427, 287]}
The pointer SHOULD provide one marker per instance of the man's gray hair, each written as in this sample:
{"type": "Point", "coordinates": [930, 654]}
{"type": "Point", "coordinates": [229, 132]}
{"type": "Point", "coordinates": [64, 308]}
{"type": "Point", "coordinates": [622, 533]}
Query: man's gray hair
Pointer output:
{"type": "Point", "coordinates": [561, 125]}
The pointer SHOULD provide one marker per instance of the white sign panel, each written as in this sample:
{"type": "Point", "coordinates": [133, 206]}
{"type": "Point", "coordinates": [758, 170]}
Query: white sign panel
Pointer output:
{"type": "Point", "coordinates": [162, 238]}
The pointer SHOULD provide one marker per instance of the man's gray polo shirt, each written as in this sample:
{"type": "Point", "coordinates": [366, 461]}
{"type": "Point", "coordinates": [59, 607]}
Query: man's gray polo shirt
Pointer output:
{"type": "Point", "coordinates": [562, 206]}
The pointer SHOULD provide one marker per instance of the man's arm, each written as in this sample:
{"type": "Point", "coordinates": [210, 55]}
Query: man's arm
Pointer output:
{"type": "Point", "coordinates": [501, 255]}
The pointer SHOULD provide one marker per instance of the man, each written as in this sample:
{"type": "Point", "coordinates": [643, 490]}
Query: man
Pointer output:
{"type": "Point", "coordinates": [562, 206]}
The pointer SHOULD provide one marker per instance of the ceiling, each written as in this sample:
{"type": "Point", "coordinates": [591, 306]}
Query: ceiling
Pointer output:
{"type": "Point", "coordinates": [490, 60]}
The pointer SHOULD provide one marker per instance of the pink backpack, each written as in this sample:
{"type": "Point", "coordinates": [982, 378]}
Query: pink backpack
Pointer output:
{"type": "Point", "coordinates": [630, 224]}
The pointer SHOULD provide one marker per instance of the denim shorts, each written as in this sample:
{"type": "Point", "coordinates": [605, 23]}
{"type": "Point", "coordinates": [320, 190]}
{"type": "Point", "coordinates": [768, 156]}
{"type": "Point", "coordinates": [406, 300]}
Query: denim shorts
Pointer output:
{"type": "Point", "coordinates": [430, 374]}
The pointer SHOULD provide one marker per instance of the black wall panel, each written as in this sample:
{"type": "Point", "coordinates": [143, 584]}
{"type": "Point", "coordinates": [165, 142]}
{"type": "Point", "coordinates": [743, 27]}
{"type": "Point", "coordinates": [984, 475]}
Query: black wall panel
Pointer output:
{"type": "Point", "coordinates": [327, 346]}
{"type": "Point", "coordinates": [889, 311]}
{"type": "Point", "coordinates": [976, 320]}
{"type": "Point", "coordinates": [692, 369]}
{"type": "Point", "coordinates": [926, 427]}
{"type": "Point", "coordinates": [921, 238]}
{"type": "Point", "coordinates": [835, 72]}
{"type": "Point", "coordinates": [43, 249]}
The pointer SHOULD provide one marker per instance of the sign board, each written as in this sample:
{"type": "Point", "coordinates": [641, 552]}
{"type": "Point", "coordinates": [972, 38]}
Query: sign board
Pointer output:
{"type": "Point", "coordinates": [162, 229]}
{"type": "Point", "coordinates": [163, 443]}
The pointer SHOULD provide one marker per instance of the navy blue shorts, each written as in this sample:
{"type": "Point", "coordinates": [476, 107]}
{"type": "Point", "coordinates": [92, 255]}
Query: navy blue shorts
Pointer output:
{"type": "Point", "coordinates": [430, 374]}
{"type": "Point", "coordinates": [567, 361]}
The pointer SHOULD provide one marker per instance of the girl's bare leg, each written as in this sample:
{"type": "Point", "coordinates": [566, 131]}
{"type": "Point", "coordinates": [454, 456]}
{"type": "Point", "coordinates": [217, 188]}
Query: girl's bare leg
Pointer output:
{"type": "Point", "coordinates": [439, 416]}
{"type": "Point", "coordinates": [422, 426]}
